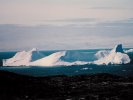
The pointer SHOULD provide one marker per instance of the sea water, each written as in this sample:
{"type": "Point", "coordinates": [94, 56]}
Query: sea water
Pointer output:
{"type": "Point", "coordinates": [123, 69]}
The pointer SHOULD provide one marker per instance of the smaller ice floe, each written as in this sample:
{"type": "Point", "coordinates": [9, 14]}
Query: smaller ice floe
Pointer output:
{"type": "Point", "coordinates": [23, 58]}
{"type": "Point", "coordinates": [129, 51]}
{"type": "Point", "coordinates": [55, 59]}
{"type": "Point", "coordinates": [123, 70]}
{"type": "Point", "coordinates": [90, 68]}
{"type": "Point", "coordinates": [76, 71]}
{"type": "Point", "coordinates": [116, 56]}
{"type": "Point", "coordinates": [85, 68]}
{"type": "Point", "coordinates": [102, 54]}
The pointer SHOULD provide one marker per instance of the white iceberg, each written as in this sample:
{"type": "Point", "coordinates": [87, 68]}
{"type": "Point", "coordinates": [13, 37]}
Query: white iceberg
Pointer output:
{"type": "Point", "coordinates": [129, 51]}
{"type": "Point", "coordinates": [63, 58]}
{"type": "Point", "coordinates": [23, 58]}
{"type": "Point", "coordinates": [55, 59]}
{"type": "Point", "coordinates": [116, 56]}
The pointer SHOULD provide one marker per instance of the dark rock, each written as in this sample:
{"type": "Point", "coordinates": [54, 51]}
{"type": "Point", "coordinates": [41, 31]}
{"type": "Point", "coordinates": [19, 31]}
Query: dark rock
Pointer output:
{"type": "Point", "coordinates": [81, 87]}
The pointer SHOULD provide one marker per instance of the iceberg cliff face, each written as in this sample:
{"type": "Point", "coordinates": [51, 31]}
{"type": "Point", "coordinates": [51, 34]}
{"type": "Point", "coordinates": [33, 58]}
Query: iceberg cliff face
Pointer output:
{"type": "Point", "coordinates": [23, 58]}
{"type": "Point", "coordinates": [116, 56]}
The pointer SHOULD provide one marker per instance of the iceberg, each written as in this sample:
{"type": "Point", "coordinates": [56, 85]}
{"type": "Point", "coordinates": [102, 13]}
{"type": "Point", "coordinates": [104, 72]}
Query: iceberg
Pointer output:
{"type": "Point", "coordinates": [116, 56]}
{"type": "Point", "coordinates": [55, 59]}
{"type": "Point", "coordinates": [23, 58]}
{"type": "Point", "coordinates": [129, 51]}
{"type": "Point", "coordinates": [66, 58]}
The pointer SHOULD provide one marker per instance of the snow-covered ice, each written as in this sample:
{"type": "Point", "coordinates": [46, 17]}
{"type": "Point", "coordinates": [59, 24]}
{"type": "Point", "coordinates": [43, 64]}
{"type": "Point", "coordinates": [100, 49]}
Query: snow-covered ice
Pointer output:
{"type": "Point", "coordinates": [116, 56]}
{"type": "Point", "coordinates": [55, 59]}
{"type": "Point", "coordinates": [102, 54]}
{"type": "Point", "coordinates": [23, 58]}
{"type": "Point", "coordinates": [129, 51]}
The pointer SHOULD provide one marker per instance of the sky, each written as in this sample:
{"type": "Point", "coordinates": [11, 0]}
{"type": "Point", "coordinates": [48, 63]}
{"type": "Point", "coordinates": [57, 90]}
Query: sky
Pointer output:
{"type": "Point", "coordinates": [65, 24]}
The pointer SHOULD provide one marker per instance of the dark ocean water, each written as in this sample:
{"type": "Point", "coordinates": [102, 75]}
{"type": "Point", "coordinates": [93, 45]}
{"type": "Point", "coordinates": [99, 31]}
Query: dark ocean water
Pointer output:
{"type": "Point", "coordinates": [123, 70]}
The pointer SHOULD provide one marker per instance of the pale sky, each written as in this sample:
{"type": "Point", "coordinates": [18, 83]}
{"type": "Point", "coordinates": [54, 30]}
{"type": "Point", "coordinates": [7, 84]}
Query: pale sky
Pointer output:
{"type": "Point", "coordinates": [65, 24]}
{"type": "Point", "coordinates": [39, 11]}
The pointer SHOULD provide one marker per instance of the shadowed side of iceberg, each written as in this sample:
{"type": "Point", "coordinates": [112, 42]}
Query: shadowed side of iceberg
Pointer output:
{"type": "Point", "coordinates": [118, 48]}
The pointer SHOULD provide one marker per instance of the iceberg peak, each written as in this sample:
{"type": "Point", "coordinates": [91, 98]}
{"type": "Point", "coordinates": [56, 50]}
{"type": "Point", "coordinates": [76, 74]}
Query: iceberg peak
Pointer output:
{"type": "Point", "coordinates": [50, 60]}
{"type": "Point", "coordinates": [118, 48]}
{"type": "Point", "coordinates": [34, 49]}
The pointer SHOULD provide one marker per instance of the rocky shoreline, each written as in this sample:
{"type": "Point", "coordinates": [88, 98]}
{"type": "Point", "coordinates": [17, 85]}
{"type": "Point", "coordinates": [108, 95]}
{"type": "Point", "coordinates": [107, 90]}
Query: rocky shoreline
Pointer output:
{"type": "Point", "coordinates": [100, 86]}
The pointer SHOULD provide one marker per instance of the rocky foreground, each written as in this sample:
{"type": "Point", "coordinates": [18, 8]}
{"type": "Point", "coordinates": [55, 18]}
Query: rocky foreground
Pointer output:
{"type": "Point", "coordinates": [82, 87]}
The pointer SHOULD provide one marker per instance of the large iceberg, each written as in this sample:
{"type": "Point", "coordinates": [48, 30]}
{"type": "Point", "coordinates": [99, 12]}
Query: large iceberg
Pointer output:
{"type": "Point", "coordinates": [55, 59]}
{"type": "Point", "coordinates": [116, 56]}
{"type": "Point", "coordinates": [23, 58]}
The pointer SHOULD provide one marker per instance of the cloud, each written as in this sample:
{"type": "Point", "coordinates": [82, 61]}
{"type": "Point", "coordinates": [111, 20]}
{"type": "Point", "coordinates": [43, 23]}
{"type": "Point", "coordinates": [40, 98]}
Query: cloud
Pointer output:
{"type": "Point", "coordinates": [110, 8]}
{"type": "Point", "coordinates": [100, 35]}
{"type": "Point", "coordinates": [36, 12]}
{"type": "Point", "coordinates": [74, 20]}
